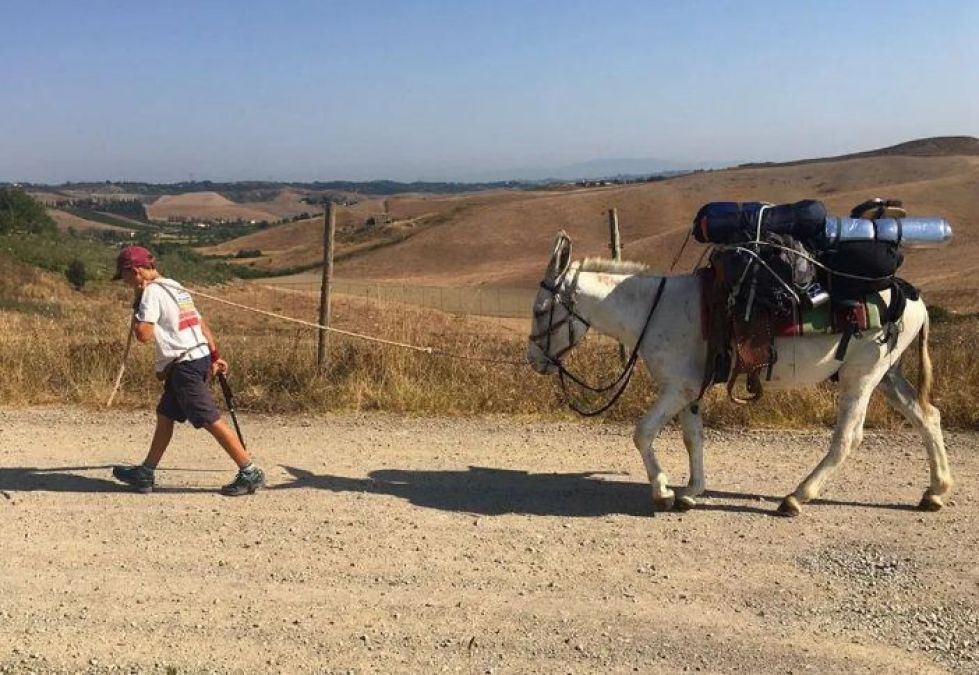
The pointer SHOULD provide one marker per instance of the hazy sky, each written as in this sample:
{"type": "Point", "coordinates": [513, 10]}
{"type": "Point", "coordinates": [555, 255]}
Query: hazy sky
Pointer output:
{"type": "Point", "coordinates": [283, 90]}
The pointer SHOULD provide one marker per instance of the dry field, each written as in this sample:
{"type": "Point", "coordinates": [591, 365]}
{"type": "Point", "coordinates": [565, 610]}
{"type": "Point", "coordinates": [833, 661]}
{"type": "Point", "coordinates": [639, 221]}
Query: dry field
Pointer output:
{"type": "Point", "coordinates": [47, 198]}
{"type": "Point", "coordinates": [507, 243]}
{"type": "Point", "coordinates": [67, 220]}
{"type": "Point", "coordinates": [502, 238]}
{"type": "Point", "coordinates": [205, 206]}
{"type": "Point", "coordinates": [394, 544]}
{"type": "Point", "coordinates": [213, 206]}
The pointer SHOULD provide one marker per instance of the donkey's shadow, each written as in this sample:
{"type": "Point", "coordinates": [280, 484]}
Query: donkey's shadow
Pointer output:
{"type": "Point", "coordinates": [492, 491]}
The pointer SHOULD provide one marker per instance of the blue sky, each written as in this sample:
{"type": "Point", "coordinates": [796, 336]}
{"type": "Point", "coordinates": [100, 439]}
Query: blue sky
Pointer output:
{"type": "Point", "coordinates": [459, 90]}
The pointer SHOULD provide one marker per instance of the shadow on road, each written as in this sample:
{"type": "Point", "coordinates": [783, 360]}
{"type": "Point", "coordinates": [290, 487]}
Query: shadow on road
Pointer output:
{"type": "Point", "coordinates": [490, 491]}
{"type": "Point", "coordinates": [774, 500]}
{"type": "Point", "coordinates": [33, 479]}
{"type": "Point", "coordinates": [60, 479]}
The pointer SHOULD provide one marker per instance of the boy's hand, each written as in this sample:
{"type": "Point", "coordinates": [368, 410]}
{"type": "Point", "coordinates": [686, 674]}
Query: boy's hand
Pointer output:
{"type": "Point", "coordinates": [219, 366]}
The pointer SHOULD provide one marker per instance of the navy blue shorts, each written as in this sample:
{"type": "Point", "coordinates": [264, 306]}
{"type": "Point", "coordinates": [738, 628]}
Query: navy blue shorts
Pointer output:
{"type": "Point", "coordinates": [186, 395]}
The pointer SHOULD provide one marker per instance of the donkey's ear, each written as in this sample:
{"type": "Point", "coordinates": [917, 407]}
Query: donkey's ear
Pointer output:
{"type": "Point", "coordinates": [561, 256]}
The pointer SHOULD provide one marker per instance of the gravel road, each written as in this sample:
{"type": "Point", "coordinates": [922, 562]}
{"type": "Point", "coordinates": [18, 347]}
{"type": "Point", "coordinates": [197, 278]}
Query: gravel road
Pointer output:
{"type": "Point", "coordinates": [490, 545]}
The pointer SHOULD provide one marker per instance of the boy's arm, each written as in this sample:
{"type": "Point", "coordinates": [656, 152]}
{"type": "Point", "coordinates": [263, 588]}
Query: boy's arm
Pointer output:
{"type": "Point", "coordinates": [142, 330]}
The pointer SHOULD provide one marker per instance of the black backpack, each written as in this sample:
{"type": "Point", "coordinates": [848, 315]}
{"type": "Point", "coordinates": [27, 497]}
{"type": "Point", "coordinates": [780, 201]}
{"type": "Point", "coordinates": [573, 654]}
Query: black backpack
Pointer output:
{"type": "Point", "coordinates": [862, 267]}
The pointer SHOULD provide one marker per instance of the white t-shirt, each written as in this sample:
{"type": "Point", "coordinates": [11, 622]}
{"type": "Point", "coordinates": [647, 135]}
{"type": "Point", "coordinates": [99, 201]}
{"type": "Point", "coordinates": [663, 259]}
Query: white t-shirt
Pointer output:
{"type": "Point", "coordinates": [176, 322]}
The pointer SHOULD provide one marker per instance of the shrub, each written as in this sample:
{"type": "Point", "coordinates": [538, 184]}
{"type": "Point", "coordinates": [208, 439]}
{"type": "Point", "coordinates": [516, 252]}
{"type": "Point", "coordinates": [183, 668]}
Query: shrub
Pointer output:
{"type": "Point", "coordinates": [19, 212]}
{"type": "Point", "coordinates": [938, 314]}
{"type": "Point", "coordinates": [76, 274]}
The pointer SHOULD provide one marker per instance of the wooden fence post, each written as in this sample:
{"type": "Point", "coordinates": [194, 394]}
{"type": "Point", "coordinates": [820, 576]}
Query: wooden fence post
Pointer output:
{"type": "Point", "coordinates": [615, 246]}
{"type": "Point", "coordinates": [329, 230]}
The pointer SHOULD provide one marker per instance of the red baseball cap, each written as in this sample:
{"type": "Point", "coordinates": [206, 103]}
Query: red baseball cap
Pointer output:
{"type": "Point", "coordinates": [132, 257]}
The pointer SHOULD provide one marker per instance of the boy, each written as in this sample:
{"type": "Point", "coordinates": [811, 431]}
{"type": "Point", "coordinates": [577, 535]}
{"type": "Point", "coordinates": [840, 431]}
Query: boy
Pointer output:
{"type": "Point", "coordinates": [186, 356]}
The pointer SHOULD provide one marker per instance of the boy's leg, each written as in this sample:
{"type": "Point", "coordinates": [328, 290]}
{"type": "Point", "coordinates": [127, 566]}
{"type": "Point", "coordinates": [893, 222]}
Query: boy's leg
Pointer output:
{"type": "Point", "coordinates": [190, 384]}
{"type": "Point", "coordinates": [250, 478]}
{"type": "Point", "coordinates": [229, 441]}
{"type": "Point", "coordinates": [161, 439]}
{"type": "Point", "coordinates": [141, 476]}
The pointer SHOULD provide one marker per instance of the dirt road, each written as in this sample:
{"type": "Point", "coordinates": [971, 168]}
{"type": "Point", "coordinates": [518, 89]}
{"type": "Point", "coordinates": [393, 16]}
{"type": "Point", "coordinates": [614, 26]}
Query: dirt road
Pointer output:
{"type": "Point", "coordinates": [492, 545]}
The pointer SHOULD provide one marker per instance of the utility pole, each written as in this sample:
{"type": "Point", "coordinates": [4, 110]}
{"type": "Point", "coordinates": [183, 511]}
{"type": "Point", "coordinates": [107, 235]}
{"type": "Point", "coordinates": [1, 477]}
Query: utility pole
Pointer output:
{"type": "Point", "coordinates": [329, 230]}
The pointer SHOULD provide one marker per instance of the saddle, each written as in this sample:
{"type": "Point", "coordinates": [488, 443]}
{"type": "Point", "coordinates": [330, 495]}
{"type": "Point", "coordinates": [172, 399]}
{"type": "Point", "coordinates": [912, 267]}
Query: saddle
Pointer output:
{"type": "Point", "coordinates": [735, 345]}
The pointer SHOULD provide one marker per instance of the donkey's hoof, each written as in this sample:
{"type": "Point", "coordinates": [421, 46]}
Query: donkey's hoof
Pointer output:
{"type": "Point", "coordinates": [789, 507]}
{"type": "Point", "coordinates": [930, 502]}
{"type": "Point", "coordinates": [684, 503]}
{"type": "Point", "coordinates": [663, 503]}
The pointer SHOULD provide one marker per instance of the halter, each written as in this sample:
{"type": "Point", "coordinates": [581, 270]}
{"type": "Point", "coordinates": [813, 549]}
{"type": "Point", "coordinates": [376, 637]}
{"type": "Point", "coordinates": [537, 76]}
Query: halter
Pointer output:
{"type": "Point", "coordinates": [622, 381]}
{"type": "Point", "coordinates": [568, 303]}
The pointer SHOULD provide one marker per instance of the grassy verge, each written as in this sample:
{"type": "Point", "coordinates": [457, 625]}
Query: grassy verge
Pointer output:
{"type": "Point", "coordinates": [73, 357]}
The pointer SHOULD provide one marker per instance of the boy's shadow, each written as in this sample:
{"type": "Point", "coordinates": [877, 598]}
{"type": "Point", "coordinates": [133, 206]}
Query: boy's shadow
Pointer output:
{"type": "Point", "coordinates": [61, 479]}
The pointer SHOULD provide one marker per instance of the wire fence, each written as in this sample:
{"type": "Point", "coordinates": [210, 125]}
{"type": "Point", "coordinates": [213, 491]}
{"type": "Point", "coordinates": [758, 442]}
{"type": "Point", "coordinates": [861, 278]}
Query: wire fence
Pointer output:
{"type": "Point", "coordinates": [511, 303]}
{"type": "Point", "coordinates": [384, 310]}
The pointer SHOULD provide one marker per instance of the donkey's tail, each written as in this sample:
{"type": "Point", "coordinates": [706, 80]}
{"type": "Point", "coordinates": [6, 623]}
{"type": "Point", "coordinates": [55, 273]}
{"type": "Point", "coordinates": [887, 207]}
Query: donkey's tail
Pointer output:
{"type": "Point", "coordinates": [924, 368]}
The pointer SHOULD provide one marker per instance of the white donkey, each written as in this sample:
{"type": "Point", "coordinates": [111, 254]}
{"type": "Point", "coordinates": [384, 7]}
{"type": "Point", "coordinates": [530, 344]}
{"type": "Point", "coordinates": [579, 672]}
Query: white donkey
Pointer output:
{"type": "Point", "coordinates": [615, 298]}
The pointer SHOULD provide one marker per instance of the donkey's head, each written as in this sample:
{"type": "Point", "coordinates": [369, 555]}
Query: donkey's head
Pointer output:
{"type": "Point", "coordinates": [555, 327]}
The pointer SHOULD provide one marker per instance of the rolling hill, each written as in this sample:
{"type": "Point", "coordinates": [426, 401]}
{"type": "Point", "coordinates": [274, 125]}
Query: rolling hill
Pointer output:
{"type": "Point", "coordinates": [502, 238]}
{"type": "Point", "coordinates": [67, 220]}
{"type": "Point", "coordinates": [207, 206]}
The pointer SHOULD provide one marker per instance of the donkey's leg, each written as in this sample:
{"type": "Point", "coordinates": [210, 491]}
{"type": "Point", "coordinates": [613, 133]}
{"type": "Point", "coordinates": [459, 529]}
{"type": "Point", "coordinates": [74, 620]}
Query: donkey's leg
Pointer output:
{"type": "Point", "coordinates": [647, 429]}
{"type": "Point", "coordinates": [846, 436]}
{"type": "Point", "coordinates": [903, 397]}
{"type": "Point", "coordinates": [693, 439]}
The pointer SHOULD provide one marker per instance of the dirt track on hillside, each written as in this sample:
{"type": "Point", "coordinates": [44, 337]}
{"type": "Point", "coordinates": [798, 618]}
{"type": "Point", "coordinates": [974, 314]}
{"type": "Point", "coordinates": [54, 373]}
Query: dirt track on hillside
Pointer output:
{"type": "Point", "coordinates": [393, 544]}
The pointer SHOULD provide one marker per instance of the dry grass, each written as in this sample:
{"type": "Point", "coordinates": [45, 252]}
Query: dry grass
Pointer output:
{"type": "Point", "coordinates": [72, 356]}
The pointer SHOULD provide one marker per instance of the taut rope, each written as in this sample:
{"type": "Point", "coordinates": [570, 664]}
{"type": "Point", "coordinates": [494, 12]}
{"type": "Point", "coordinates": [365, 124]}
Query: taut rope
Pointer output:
{"type": "Point", "coordinates": [312, 324]}
{"type": "Point", "coordinates": [404, 345]}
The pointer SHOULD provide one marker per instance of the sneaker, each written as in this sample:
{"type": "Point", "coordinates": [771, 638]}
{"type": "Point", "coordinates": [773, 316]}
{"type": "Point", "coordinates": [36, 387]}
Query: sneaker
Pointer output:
{"type": "Point", "coordinates": [244, 483]}
{"type": "Point", "coordinates": [138, 476]}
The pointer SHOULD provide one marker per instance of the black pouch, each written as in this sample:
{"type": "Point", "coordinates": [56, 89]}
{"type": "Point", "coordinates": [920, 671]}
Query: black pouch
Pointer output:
{"type": "Point", "coordinates": [875, 261]}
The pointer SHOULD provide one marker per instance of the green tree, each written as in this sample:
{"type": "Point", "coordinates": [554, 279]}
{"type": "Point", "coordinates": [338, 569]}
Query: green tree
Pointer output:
{"type": "Point", "coordinates": [19, 212]}
{"type": "Point", "coordinates": [76, 274]}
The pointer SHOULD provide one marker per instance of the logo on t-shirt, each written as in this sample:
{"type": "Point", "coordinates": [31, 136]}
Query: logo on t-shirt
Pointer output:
{"type": "Point", "coordinates": [188, 316]}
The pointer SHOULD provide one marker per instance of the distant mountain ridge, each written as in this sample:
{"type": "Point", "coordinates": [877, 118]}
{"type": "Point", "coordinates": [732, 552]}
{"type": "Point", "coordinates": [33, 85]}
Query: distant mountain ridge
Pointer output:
{"type": "Point", "coordinates": [599, 168]}
{"type": "Point", "coordinates": [936, 146]}
{"type": "Point", "coordinates": [245, 190]}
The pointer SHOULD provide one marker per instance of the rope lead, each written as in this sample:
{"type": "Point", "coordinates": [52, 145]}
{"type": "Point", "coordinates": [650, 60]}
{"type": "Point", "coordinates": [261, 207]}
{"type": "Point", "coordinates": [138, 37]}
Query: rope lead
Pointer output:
{"type": "Point", "coordinates": [404, 345]}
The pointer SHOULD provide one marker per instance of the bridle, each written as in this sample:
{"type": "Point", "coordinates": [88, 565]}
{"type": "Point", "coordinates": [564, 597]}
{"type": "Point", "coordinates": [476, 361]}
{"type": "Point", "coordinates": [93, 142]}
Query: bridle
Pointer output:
{"type": "Point", "coordinates": [567, 301]}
